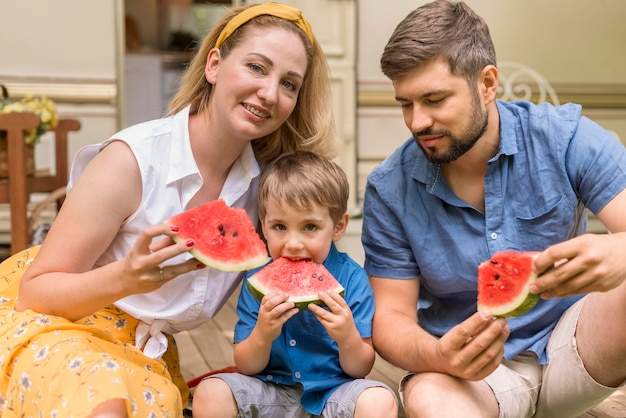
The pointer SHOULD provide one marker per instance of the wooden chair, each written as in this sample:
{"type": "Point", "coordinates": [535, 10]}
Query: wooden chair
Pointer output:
{"type": "Point", "coordinates": [17, 188]}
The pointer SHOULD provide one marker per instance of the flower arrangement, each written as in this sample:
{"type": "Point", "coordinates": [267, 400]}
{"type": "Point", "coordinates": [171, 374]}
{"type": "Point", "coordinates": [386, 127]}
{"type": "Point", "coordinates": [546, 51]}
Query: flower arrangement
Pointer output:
{"type": "Point", "coordinates": [41, 106]}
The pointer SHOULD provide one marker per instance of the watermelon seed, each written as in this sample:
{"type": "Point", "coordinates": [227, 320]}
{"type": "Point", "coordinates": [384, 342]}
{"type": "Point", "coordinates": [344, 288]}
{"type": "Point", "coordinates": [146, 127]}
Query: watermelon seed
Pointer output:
{"type": "Point", "coordinates": [493, 262]}
{"type": "Point", "coordinates": [235, 233]}
{"type": "Point", "coordinates": [221, 228]}
{"type": "Point", "coordinates": [314, 275]}
{"type": "Point", "coordinates": [497, 276]}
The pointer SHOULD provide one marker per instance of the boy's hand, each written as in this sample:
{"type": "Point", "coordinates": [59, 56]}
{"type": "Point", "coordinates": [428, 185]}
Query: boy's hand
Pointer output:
{"type": "Point", "coordinates": [338, 319]}
{"type": "Point", "coordinates": [273, 313]}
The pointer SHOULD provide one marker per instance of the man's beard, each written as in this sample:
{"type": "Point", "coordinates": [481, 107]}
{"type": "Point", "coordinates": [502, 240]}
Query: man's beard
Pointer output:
{"type": "Point", "coordinates": [458, 145]}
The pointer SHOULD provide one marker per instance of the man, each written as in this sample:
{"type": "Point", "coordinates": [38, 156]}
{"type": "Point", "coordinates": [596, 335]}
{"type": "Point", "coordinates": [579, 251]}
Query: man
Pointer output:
{"type": "Point", "coordinates": [481, 176]}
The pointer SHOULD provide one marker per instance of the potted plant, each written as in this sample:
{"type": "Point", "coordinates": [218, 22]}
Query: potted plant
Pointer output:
{"type": "Point", "coordinates": [42, 107]}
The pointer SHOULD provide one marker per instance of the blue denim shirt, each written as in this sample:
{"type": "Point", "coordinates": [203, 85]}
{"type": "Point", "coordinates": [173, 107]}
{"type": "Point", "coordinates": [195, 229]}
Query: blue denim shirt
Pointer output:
{"type": "Point", "coordinates": [304, 353]}
{"type": "Point", "coordinates": [552, 163]}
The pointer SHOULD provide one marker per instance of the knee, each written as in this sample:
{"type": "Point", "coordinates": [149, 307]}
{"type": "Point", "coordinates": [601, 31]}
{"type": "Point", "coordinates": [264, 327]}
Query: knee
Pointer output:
{"type": "Point", "coordinates": [376, 402]}
{"type": "Point", "coordinates": [436, 394]}
{"type": "Point", "coordinates": [425, 391]}
{"type": "Point", "coordinates": [213, 398]}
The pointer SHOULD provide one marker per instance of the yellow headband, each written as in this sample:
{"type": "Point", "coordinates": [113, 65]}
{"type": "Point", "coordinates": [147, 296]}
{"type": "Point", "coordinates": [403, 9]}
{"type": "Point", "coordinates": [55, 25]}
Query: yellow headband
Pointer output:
{"type": "Point", "coordinates": [273, 9]}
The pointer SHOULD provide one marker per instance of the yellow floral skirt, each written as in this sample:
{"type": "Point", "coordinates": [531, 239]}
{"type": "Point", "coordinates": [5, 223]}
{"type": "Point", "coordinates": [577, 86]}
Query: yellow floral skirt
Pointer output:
{"type": "Point", "coordinates": [51, 366]}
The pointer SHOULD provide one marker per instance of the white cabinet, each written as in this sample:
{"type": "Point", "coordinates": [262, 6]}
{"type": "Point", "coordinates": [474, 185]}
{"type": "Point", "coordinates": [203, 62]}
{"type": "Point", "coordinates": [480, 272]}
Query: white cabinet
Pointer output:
{"type": "Point", "coordinates": [150, 79]}
{"type": "Point", "coordinates": [142, 87]}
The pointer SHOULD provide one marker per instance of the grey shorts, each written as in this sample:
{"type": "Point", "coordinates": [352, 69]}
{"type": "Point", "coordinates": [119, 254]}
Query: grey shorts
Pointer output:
{"type": "Point", "coordinates": [256, 398]}
{"type": "Point", "coordinates": [566, 387]}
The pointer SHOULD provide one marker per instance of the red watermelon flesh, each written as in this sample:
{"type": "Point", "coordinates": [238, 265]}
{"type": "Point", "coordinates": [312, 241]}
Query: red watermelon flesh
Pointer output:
{"type": "Point", "coordinates": [503, 283]}
{"type": "Point", "coordinates": [224, 237]}
{"type": "Point", "coordinates": [302, 280]}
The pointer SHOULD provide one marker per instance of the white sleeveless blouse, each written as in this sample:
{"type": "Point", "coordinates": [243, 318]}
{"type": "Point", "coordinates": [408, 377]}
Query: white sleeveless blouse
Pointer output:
{"type": "Point", "coordinates": [170, 178]}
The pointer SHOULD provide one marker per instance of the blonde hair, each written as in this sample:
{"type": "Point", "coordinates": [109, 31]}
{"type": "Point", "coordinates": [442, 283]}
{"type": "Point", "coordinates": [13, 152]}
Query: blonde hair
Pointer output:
{"type": "Point", "coordinates": [302, 179]}
{"type": "Point", "coordinates": [310, 126]}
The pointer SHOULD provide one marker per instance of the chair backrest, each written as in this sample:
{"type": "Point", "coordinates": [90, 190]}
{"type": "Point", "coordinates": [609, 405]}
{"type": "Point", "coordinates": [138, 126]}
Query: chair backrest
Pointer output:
{"type": "Point", "coordinates": [520, 82]}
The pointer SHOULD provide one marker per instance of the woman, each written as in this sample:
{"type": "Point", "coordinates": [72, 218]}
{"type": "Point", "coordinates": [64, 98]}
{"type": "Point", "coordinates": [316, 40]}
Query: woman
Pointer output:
{"type": "Point", "coordinates": [90, 334]}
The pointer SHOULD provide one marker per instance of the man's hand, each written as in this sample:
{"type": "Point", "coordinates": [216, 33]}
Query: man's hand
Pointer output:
{"type": "Point", "coordinates": [588, 263]}
{"type": "Point", "coordinates": [474, 348]}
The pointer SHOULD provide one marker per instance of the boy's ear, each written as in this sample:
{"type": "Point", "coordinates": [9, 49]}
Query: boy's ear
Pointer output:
{"type": "Point", "coordinates": [340, 226]}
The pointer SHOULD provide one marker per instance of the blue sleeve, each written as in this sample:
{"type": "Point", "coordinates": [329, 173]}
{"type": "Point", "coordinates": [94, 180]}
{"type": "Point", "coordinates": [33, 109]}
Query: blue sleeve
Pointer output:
{"type": "Point", "coordinates": [388, 252]}
{"type": "Point", "coordinates": [247, 311]}
{"type": "Point", "coordinates": [360, 299]}
{"type": "Point", "coordinates": [596, 163]}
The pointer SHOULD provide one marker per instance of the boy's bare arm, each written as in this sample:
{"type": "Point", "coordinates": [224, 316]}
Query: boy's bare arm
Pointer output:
{"type": "Point", "coordinates": [253, 353]}
{"type": "Point", "coordinates": [356, 355]}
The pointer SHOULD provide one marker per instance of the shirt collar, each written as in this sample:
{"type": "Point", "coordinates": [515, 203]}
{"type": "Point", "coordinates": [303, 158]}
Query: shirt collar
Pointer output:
{"type": "Point", "coordinates": [241, 176]}
{"type": "Point", "coordinates": [182, 163]}
{"type": "Point", "coordinates": [430, 174]}
{"type": "Point", "coordinates": [509, 124]}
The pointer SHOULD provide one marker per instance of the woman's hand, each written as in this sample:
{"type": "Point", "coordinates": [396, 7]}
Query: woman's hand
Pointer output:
{"type": "Point", "coordinates": [145, 261]}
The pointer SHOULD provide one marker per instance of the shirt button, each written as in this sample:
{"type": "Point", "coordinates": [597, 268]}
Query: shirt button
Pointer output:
{"type": "Point", "coordinates": [298, 375]}
{"type": "Point", "coordinates": [269, 377]}
{"type": "Point", "coordinates": [292, 343]}
{"type": "Point", "coordinates": [494, 235]}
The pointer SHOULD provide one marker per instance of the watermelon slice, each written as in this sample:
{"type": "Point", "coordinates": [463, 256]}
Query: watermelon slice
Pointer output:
{"type": "Point", "coordinates": [224, 237]}
{"type": "Point", "coordinates": [503, 283]}
{"type": "Point", "coordinates": [302, 280]}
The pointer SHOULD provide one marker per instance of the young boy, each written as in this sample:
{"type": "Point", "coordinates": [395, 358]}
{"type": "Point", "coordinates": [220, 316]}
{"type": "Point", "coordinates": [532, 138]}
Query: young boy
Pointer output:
{"type": "Point", "coordinates": [311, 363]}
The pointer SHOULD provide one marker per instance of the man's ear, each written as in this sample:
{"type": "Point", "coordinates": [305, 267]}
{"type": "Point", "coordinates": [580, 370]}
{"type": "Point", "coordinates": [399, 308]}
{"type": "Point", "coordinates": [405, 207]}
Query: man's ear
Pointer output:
{"type": "Point", "coordinates": [212, 64]}
{"type": "Point", "coordinates": [488, 83]}
{"type": "Point", "coordinates": [340, 226]}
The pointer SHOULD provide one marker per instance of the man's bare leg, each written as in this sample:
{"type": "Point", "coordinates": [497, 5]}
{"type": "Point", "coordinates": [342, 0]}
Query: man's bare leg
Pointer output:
{"type": "Point", "coordinates": [601, 336]}
{"type": "Point", "coordinates": [440, 395]}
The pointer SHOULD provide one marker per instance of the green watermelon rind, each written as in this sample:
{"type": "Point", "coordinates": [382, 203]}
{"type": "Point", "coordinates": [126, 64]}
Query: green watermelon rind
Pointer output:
{"type": "Point", "coordinates": [301, 302]}
{"type": "Point", "coordinates": [249, 264]}
{"type": "Point", "coordinates": [521, 305]}
{"type": "Point", "coordinates": [526, 305]}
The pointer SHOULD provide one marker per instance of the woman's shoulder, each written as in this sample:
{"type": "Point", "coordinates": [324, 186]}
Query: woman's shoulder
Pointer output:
{"type": "Point", "coordinates": [145, 130]}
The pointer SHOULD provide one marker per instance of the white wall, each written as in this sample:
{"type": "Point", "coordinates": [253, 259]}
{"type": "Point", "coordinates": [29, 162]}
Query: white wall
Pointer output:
{"type": "Point", "coordinates": [60, 38]}
{"type": "Point", "coordinates": [565, 40]}
{"type": "Point", "coordinates": [577, 45]}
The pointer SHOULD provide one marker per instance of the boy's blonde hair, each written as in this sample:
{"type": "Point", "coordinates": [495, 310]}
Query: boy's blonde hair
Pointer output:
{"type": "Point", "coordinates": [302, 179]}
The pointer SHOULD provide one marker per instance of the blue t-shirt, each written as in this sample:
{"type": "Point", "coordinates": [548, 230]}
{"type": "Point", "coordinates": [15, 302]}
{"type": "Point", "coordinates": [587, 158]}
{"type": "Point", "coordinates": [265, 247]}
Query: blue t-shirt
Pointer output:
{"type": "Point", "coordinates": [304, 353]}
{"type": "Point", "coordinates": [551, 164]}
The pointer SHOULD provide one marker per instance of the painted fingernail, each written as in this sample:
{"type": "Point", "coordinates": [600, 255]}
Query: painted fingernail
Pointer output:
{"type": "Point", "coordinates": [200, 266]}
{"type": "Point", "coordinates": [174, 228]}
{"type": "Point", "coordinates": [189, 243]}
